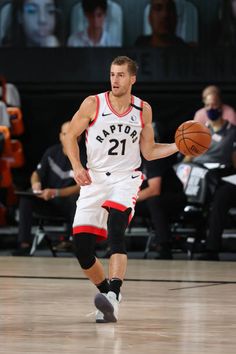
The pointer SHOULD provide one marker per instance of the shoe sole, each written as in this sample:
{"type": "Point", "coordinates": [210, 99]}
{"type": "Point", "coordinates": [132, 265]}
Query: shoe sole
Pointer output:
{"type": "Point", "coordinates": [104, 305]}
{"type": "Point", "coordinates": [101, 321]}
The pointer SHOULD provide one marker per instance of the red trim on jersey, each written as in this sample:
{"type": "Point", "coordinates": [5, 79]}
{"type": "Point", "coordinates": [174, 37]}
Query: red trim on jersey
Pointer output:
{"type": "Point", "coordinates": [97, 111]}
{"type": "Point", "coordinates": [141, 115]}
{"type": "Point", "coordinates": [100, 233]}
{"type": "Point", "coordinates": [110, 204]}
{"type": "Point", "coordinates": [112, 109]}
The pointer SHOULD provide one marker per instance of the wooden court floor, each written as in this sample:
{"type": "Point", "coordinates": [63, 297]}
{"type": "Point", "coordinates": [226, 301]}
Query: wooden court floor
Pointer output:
{"type": "Point", "coordinates": [46, 306]}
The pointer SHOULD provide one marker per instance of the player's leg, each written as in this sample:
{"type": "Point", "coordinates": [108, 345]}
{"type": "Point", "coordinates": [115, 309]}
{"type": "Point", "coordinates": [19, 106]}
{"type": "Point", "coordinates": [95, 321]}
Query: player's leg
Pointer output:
{"type": "Point", "coordinates": [117, 224]}
{"type": "Point", "coordinates": [90, 223]}
{"type": "Point", "coordinates": [84, 245]}
{"type": "Point", "coordinates": [85, 252]}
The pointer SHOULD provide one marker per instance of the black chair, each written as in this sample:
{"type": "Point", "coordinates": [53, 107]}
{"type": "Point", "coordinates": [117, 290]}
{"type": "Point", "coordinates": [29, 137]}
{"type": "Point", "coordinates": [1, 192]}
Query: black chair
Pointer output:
{"type": "Point", "coordinates": [47, 224]}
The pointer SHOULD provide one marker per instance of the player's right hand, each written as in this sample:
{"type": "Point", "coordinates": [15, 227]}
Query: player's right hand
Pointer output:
{"type": "Point", "coordinates": [81, 177]}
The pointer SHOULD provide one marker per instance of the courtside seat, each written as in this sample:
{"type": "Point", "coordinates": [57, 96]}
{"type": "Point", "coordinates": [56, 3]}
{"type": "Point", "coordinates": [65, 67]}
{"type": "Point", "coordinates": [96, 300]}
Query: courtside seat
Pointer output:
{"type": "Point", "coordinates": [187, 25]}
{"type": "Point", "coordinates": [5, 174]}
{"type": "Point", "coordinates": [17, 158]}
{"type": "Point", "coordinates": [45, 222]}
{"type": "Point", "coordinates": [6, 148]}
{"type": "Point", "coordinates": [10, 94]}
{"type": "Point", "coordinates": [4, 115]}
{"type": "Point", "coordinates": [12, 149]}
{"type": "Point", "coordinates": [16, 121]}
{"type": "Point", "coordinates": [113, 21]}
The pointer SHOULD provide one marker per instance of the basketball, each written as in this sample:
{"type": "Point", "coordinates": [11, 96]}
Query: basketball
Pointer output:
{"type": "Point", "coordinates": [192, 138]}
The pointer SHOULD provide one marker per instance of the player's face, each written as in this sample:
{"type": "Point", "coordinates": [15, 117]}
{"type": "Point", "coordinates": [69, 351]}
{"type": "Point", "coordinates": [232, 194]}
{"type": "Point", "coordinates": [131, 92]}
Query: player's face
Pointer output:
{"type": "Point", "coordinates": [162, 18]}
{"type": "Point", "coordinates": [121, 80]}
{"type": "Point", "coordinates": [38, 20]}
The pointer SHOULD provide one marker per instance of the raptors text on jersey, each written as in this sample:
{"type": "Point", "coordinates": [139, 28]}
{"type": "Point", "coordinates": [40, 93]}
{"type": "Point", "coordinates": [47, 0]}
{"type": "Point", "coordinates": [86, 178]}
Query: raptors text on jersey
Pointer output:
{"type": "Point", "coordinates": [112, 139]}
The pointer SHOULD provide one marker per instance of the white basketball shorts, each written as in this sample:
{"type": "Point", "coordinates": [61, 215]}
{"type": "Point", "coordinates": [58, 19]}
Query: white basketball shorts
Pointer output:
{"type": "Point", "coordinates": [116, 190]}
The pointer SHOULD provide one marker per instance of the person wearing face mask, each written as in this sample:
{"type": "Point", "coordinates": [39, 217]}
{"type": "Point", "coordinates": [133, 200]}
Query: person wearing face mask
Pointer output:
{"type": "Point", "coordinates": [214, 107]}
{"type": "Point", "coordinates": [223, 141]}
{"type": "Point", "coordinates": [35, 23]}
{"type": "Point", "coordinates": [221, 195]}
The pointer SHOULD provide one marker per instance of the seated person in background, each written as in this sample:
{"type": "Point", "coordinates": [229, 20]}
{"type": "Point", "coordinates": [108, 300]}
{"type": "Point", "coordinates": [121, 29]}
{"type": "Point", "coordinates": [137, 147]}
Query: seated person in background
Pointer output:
{"type": "Point", "coordinates": [163, 21]}
{"type": "Point", "coordinates": [95, 35]}
{"type": "Point", "coordinates": [164, 198]}
{"type": "Point", "coordinates": [223, 152]}
{"type": "Point", "coordinates": [55, 190]}
{"type": "Point", "coordinates": [34, 23]}
{"type": "Point", "coordinates": [213, 105]}
{"type": "Point", "coordinates": [223, 199]}
{"type": "Point", "coordinates": [227, 35]}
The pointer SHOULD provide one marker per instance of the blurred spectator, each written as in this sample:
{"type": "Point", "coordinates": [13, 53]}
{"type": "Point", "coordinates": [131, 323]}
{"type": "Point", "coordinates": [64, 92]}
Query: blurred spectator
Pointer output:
{"type": "Point", "coordinates": [221, 159]}
{"type": "Point", "coordinates": [95, 35]}
{"type": "Point", "coordinates": [162, 196]}
{"type": "Point", "coordinates": [228, 23]}
{"type": "Point", "coordinates": [222, 150]}
{"type": "Point", "coordinates": [163, 21]}
{"type": "Point", "coordinates": [35, 23]}
{"type": "Point", "coordinates": [213, 106]}
{"type": "Point", "coordinates": [223, 199]}
{"type": "Point", "coordinates": [55, 190]}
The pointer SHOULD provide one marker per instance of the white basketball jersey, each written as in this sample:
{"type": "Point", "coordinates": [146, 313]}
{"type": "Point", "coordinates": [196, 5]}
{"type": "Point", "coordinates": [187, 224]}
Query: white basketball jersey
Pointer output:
{"type": "Point", "coordinates": [112, 139]}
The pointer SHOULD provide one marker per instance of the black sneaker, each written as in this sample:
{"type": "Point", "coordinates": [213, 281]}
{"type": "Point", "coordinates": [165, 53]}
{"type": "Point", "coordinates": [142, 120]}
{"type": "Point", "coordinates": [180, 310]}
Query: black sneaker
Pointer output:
{"type": "Point", "coordinates": [22, 252]}
{"type": "Point", "coordinates": [209, 256]}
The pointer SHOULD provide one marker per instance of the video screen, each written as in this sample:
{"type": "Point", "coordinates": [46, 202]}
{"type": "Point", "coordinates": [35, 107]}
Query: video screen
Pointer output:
{"type": "Point", "coordinates": [117, 23]}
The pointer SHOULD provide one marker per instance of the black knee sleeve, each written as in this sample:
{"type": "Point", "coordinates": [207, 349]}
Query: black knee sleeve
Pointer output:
{"type": "Point", "coordinates": [117, 224]}
{"type": "Point", "coordinates": [84, 249]}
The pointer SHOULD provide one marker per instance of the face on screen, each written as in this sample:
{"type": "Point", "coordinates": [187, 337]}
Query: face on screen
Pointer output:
{"type": "Point", "coordinates": [162, 17]}
{"type": "Point", "coordinates": [96, 18]}
{"type": "Point", "coordinates": [39, 20]}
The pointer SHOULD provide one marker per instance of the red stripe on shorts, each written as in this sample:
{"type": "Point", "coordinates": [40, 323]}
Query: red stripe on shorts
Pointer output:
{"type": "Point", "coordinates": [100, 233]}
{"type": "Point", "coordinates": [109, 204]}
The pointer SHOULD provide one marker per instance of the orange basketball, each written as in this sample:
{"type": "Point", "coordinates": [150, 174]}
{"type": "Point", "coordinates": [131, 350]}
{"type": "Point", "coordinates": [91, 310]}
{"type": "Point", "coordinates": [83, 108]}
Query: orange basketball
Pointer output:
{"type": "Point", "coordinates": [192, 138]}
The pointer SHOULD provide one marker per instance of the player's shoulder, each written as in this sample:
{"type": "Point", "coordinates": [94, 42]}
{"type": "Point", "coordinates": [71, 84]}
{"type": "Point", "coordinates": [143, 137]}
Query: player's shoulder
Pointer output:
{"type": "Point", "coordinates": [90, 100]}
{"type": "Point", "coordinates": [147, 106]}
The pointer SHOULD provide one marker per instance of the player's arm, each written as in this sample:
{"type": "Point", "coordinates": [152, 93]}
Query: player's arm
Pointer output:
{"type": "Point", "coordinates": [79, 123]}
{"type": "Point", "coordinates": [150, 149]}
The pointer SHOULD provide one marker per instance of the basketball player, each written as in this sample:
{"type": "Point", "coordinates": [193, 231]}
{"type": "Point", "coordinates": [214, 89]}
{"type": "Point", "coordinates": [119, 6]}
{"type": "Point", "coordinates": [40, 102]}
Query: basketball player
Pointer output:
{"type": "Point", "coordinates": [118, 125]}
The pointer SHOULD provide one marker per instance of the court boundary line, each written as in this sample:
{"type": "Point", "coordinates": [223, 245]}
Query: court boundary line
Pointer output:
{"type": "Point", "coordinates": [205, 282]}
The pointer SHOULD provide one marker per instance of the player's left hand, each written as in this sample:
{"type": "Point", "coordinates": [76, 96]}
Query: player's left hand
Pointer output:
{"type": "Point", "coordinates": [82, 177]}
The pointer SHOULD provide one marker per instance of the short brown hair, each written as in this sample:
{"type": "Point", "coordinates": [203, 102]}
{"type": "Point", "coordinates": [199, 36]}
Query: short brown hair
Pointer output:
{"type": "Point", "coordinates": [122, 60]}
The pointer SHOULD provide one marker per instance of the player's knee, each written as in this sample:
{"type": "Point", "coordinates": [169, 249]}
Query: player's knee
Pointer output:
{"type": "Point", "coordinates": [118, 221]}
{"type": "Point", "coordinates": [84, 249]}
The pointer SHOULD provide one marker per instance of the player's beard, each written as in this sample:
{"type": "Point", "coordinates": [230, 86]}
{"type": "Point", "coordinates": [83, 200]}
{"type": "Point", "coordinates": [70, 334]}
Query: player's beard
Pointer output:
{"type": "Point", "coordinates": [120, 93]}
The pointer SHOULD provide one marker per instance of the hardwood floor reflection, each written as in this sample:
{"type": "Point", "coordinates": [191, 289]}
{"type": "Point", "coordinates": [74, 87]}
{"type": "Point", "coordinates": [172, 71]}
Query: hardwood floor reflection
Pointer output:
{"type": "Point", "coordinates": [168, 307]}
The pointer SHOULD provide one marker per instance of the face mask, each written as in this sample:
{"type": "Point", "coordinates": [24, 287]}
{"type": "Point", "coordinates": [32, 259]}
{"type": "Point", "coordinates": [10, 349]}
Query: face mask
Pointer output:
{"type": "Point", "coordinates": [213, 113]}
